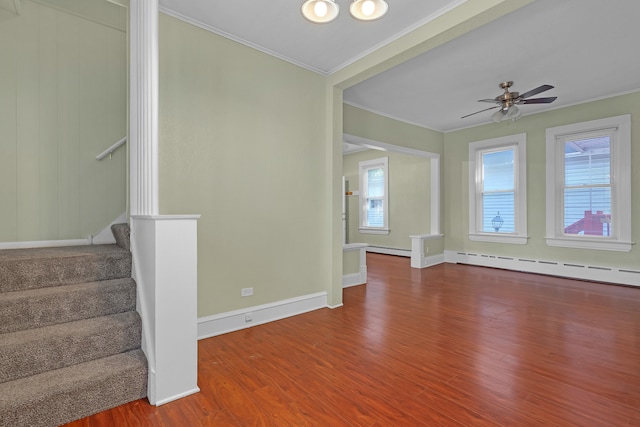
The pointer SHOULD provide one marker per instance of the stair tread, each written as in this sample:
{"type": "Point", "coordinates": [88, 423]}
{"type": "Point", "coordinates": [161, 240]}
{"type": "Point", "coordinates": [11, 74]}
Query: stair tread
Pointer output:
{"type": "Point", "coordinates": [33, 351]}
{"type": "Point", "coordinates": [68, 377]}
{"type": "Point", "coordinates": [22, 269]}
{"type": "Point", "coordinates": [64, 395]}
{"type": "Point", "coordinates": [58, 252]}
{"type": "Point", "coordinates": [62, 289]}
{"type": "Point", "coordinates": [28, 309]}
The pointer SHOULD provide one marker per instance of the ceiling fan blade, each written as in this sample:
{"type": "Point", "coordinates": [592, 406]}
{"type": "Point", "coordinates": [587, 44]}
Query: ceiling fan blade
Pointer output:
{"type": "Point", "coordinates": [486, 109]}
{"type": "Point", "coordinates": [488, 100]}
{"type": "Point", "coordinates": [535, 91]}
{"type": "Point", "coordinates": [538, 100]}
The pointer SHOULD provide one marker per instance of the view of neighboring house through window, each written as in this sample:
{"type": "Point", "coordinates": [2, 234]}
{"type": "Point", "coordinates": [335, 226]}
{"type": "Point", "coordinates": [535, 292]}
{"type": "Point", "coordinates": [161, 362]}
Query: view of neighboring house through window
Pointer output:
{"type": "Point", "coordinates": [374, 188]}
{"type": "Point", "coordinates": [497, 190]}
{"type": "Point", "coordinates": [589, 184]}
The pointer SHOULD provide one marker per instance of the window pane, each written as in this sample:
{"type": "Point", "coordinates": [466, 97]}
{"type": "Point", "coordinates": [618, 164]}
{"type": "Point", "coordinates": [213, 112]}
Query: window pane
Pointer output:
{"type": "Point", "coordinates": [498, 170]}
{"type": "Point", "coordinates": [587, 162]}
{"type": "Point", "coordinates": [497, 207]}
{"type": "Point", "coordinates": [375, 182]}
{"type": "Point", "coordinates": [375, 213]}
{"type": "Point", "coordinates": [587, 211]}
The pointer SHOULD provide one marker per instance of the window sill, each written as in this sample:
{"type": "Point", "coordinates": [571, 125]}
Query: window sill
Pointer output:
{"type": "Point", "coordinates": [499, 238]}
{"type": "Point", "coordinates": [384, 231]}
{"type": "Point", "coordinates": [586, 243]}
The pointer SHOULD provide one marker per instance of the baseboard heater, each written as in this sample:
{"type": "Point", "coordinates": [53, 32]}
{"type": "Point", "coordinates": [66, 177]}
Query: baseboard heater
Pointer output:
{"type": "Point", "coordinates": [618, 275]}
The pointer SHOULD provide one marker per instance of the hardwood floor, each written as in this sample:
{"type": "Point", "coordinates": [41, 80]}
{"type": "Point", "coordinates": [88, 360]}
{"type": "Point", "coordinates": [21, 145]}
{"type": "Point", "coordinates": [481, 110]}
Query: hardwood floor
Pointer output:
{"type": "Point", "coordinates": [450, 345]}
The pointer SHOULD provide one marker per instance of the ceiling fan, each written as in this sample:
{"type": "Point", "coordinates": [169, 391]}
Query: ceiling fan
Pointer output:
{"type": "Point", "coordinates": [508, 100]}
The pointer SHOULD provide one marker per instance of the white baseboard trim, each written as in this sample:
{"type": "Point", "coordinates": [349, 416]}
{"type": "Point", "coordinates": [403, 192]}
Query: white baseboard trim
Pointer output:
{"type": "Point", "coordinates": [230, 321]}
{"type": "Point", "coordinates": [389, 251]}
{"type": "Point", "coordinates": [45, 244]}
{"type": "Point", "coordinates": [572, 270]}
{"type": "Point", "coordinates": [354, 279]}
{"type": "Point", "coordinates": [104, 237]}
{"type": "Point", "coordinates": [178, 396]}
{"type": "Point", "coordinates": [430, 261]}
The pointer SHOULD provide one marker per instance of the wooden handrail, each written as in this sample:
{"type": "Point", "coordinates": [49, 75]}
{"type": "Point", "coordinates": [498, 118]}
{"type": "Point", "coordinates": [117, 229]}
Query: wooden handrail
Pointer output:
{"type": "Point", "coordinates": [111, 149]}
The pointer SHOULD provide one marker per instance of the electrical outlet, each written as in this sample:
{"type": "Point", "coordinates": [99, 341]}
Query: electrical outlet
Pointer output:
{"type": "Point", "coordinates": [248, 317]}
{"type": "Point", "coordinates": [246, 292]}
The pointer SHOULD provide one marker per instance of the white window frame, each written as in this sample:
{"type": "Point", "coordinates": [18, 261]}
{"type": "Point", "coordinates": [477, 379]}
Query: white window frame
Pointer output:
{"type": "Point", "coordinates": [620, 239]}
{"type": "Point", "coordinates": [364, 166]}
{"type": "Point", "coordinates": [476, 149]}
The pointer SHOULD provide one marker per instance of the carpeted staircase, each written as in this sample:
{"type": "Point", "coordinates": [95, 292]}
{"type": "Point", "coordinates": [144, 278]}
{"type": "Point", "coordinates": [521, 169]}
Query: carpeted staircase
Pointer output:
{"type": "Point", "coordinates": [69, 333]}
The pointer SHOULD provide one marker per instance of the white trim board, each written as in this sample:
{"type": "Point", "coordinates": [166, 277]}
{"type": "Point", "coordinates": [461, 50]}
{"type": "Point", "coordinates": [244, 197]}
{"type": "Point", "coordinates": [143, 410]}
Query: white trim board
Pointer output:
{"type": "Point", "coordinates": [45, 243]}
{"type": "Point", "coordinates": [218, 324]}
{"type": "Point", "coordinates": [572, 270]}
{"type": "Point", "coordinates": [354, 279]}
{"type": "Point", "coordinates": [389, 251]}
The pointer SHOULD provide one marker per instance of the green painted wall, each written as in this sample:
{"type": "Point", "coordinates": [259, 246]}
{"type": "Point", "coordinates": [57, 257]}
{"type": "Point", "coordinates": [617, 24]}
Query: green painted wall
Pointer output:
{"type": "Point", "coordinates": [372, 126]}
{"type": "Point", "coordinates": [456, 182]}
{"type": "Point", "coordinates": [62, 102]}
{"type": "Point", "coordinates": [409, 198]}
{"type": "Point", "coordinates": [242, 142]}
{"type": "Point", "coordinates": [409, 177]}
{"type": "Point", "coordinates": [351, 262]}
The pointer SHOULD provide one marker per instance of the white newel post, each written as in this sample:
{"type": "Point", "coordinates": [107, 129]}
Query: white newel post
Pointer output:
{"type": "Point", "coordinates": [164, 247]}
{"type": "Point", "coordinates": [165, 254]}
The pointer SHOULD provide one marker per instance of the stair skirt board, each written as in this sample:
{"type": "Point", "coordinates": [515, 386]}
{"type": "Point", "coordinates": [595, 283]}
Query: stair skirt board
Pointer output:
{"type": "Point", "coordinates": [230, 321]}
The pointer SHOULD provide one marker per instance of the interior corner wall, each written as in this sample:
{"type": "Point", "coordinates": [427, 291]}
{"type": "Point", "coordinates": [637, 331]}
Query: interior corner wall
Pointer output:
{"type": "Point", "coordinates": [242, 142]}
{"type": "Point", "coordinates": [62, 102]}
{"type": "Point", "coordinates": [456, 193]}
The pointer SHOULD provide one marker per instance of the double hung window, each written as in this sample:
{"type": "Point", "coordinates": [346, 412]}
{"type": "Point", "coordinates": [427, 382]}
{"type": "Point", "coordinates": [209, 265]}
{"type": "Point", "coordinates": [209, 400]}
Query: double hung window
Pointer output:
{"type": "Point", "coordinates": [588, 185]}
{"type": "Point", "coordinates": [374, 196]}
{"type": "Point", "coordinates": [497, 190]}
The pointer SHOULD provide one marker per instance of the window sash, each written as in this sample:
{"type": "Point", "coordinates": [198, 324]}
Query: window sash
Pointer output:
{"type": "Point", "coordinates": [585, 175]}
{"type": "Point", "coordinates": [618, 236]}
{"type": "Point", "coordinates": [486, 215]}
{"type": "Point", "coordinates": [374, 191]}
{"type": "Point", "coordinates": [482, 211]}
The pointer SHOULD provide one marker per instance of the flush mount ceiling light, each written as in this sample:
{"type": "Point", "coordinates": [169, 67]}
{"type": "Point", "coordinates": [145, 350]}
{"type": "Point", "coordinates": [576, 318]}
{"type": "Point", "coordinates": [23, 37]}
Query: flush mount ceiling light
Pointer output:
{"type": "Point", "coordinates": [320, 11]}
{"type": "Point", "coordinates": [368, 10]}
{"type": "Point", "coordinates": [323, 11]}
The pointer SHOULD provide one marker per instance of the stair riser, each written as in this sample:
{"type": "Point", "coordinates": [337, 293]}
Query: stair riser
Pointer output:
{"type": "Point", "coordinates": [32, 352]}
{"type": "Point", "coordinates": [17, 275]}
{"type": "Point", "coordinates": [93, 300]}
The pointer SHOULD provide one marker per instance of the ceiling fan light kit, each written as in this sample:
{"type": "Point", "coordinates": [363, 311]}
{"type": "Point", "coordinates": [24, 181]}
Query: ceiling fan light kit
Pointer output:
{"type": "Point", "coordinates": [508, 100]}
{"type": "Point", "coordinates": [324, 11]}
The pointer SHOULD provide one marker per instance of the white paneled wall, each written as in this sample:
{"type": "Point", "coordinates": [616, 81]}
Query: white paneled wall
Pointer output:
{"type": "Point", "coordinates": [62, 102]}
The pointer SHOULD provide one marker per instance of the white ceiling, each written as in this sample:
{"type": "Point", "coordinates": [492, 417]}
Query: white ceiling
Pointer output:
{"type": "Point", "coordinates": [587, 49]}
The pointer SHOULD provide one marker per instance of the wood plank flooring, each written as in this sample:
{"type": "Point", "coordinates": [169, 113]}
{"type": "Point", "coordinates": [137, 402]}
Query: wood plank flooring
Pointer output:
{"type": "Point", "coordinates": [450, 345]}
